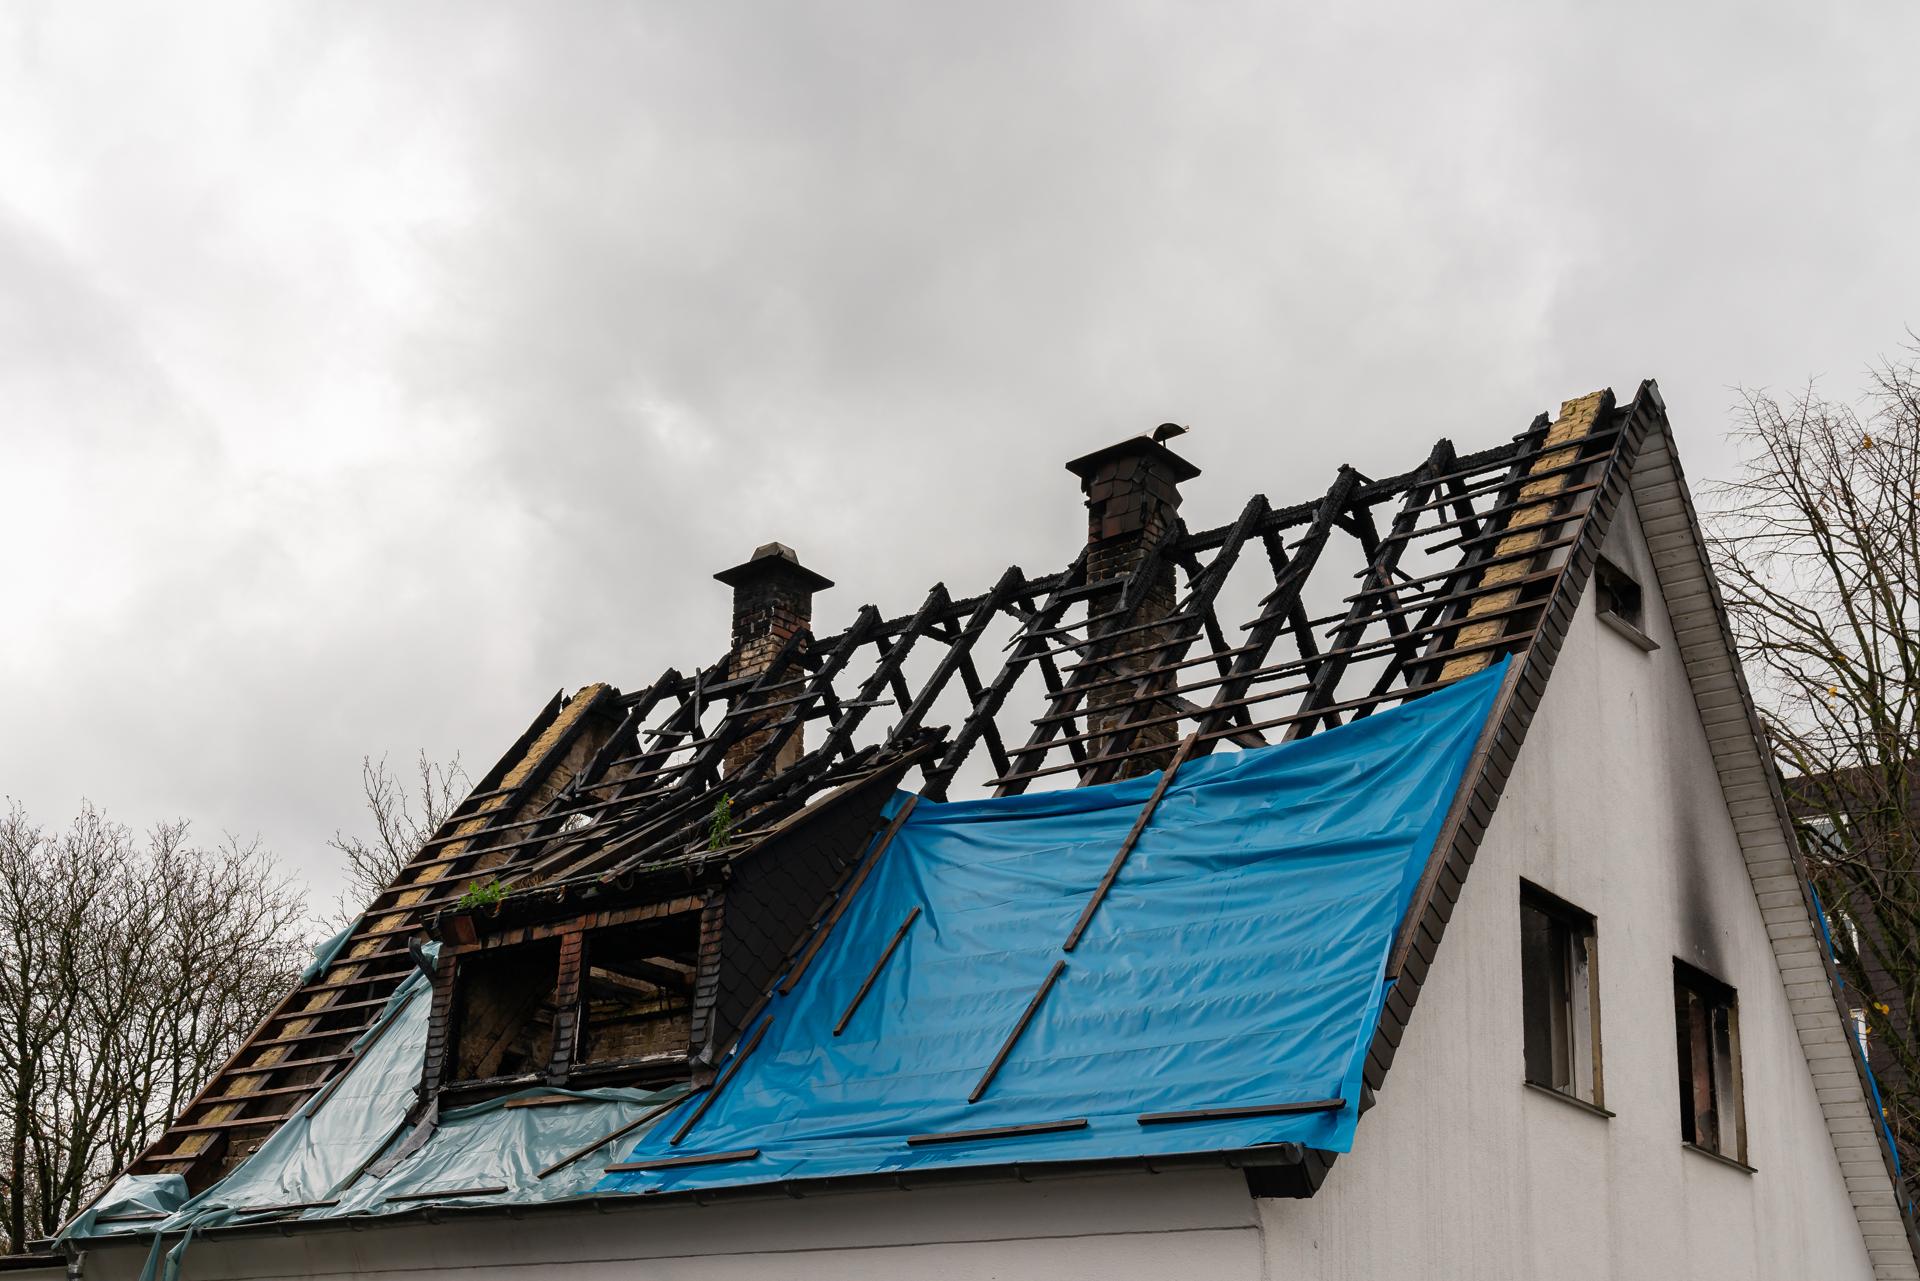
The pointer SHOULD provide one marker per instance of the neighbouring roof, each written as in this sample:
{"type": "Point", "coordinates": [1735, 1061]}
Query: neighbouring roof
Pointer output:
{"type": "Point", "coordinates": [1378, 594]}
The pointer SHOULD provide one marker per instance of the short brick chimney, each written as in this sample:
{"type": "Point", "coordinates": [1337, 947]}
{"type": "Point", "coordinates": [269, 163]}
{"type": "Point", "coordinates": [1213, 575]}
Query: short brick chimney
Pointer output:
{"type": "Point", "coordinates": [772, 601]}
{"type": "Point", "coordinates": [1133, 499]}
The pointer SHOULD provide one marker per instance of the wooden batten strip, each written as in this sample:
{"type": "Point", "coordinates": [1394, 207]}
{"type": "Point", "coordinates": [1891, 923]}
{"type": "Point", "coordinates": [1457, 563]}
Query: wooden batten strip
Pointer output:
{"type": "Point", "coordinates": [575, 1155]}
{"type": "Point", "coordinates": [997, 1132]}
{"type": "Point", "coordinates": [230, 1123]}
{"type": "Point", "coordinates": [1236, 1113]}
{"type": "Point", "coordinates": [1126, 847]}
{"type": "Point", "coordinates": [323, 1060]}
{"type": "Point", "coordinates": [1013, 1037]}
{"type": "Point", "coordinates": [670, 1162]}
{"type": "Point", "coordinates": [732, 1069]}
{"type": "Point", "coordinates": [290, 1207]}
{"type": "Point", "coordinates": [446, 1193]}
{"type": "Point", "coordinates": [886, 954]}
{"type": "Point", "coordinates": [846, 898]}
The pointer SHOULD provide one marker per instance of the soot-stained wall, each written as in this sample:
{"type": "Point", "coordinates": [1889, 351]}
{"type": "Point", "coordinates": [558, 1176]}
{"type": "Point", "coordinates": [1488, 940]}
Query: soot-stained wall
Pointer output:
{"type": "Point", "coordinates": [1614, 805]}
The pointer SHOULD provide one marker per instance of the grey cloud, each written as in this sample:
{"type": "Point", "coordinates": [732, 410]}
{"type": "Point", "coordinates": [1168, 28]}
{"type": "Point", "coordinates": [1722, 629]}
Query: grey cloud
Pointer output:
{"type": "Point", "coordinates": [421, 359]}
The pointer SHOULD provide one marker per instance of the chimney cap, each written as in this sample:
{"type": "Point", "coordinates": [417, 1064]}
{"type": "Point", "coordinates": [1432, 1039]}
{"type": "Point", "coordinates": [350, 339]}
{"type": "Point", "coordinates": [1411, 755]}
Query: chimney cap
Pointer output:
{"type": "Point", "coordinates": [1134, 447]}
{"type": "Point", "coordinates": [774, 560]}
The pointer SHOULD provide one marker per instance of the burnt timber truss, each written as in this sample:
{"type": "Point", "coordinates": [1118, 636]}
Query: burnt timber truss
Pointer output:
{"type": "Point", "coordinates": [1378, 591]}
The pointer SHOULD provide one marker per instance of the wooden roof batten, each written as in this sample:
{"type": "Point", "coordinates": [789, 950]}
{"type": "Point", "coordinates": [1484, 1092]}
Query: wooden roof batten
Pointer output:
{"type": "Point", "coordinates": [608, 793]}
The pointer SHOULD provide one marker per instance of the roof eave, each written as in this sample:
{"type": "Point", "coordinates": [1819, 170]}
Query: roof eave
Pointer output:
{"type": "Point", "coordinates": [1268, 1156]}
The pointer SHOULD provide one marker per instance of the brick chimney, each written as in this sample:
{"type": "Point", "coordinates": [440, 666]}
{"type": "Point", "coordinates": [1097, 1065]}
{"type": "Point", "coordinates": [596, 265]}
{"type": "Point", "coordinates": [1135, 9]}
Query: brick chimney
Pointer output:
{"type": "Point", "coordinates": [1133, 497]}
{"type": "Point", "coordinates": [772, 600]}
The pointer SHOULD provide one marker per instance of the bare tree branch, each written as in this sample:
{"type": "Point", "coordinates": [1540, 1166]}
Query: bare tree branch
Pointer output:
{"type": "Point", "coordinates": [129, 969]}
{"type": "Point", "coordinates": [1817, 547]}
{"type": "Point", "coordinates": [404, 819]}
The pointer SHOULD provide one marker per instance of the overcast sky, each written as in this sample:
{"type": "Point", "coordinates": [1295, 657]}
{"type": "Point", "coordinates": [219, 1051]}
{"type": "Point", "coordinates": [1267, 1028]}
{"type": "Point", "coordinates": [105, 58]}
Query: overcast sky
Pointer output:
{"type": "Point", "coordinates": [368, 372]}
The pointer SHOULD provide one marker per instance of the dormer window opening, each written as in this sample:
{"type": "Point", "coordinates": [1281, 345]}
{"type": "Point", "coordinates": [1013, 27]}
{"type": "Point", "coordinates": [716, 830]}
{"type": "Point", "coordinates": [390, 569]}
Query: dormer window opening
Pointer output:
{"type": "Point", "coordinates": [636, 993]}
{"type": "Point", "coordinates": [503, 1012]}
{"type": "Point", "coordinates": [603, 998]}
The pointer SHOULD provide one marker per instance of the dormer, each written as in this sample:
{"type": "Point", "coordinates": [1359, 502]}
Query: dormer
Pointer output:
{"type": "Point", "coordinates": [585, 970]}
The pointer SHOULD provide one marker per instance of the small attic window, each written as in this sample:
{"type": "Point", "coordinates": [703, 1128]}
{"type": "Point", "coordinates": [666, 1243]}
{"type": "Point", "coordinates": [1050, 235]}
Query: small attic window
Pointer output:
{"type": "Point", "coordinates": [1620, 602]}
{"type": "Point", "coordinates": [503, 1013]}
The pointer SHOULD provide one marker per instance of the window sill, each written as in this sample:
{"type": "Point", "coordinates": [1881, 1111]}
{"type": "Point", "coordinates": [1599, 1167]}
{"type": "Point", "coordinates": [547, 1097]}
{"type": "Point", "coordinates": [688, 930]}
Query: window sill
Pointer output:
{"type": "Point", "coordinates": [650, 1067]}
{"type": "Point", "coordinates": [1568, 1099]}
{"type": "Point", "coordinates": [1711, 1155]}
{"type": "Point", "coordinates": [1628, 630]}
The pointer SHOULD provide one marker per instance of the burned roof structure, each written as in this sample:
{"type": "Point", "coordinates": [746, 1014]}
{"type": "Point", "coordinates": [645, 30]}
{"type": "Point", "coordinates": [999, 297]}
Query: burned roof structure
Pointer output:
{"type": "Point", "coordinates": [644, 879]}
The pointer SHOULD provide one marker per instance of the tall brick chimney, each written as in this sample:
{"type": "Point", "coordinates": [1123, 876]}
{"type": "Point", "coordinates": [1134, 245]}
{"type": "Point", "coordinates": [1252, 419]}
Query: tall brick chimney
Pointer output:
{"type": "Point", "coordinates": [772, 600]}
{"type": "Point", "coordinates": [1133, 497]}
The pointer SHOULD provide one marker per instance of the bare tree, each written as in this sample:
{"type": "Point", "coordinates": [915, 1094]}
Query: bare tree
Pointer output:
{"type": "Point", "coordinates": [1817, 546]}
{"type": "Point", "coordinates": [129, 970]}
{"type": "Point", "coordinates": [405, 817]}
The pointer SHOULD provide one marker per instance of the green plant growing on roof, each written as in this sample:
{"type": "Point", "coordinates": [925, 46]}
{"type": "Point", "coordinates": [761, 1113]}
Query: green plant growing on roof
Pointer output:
{"type": "Point", "coordinates": [488, 893]}
{"type": "Point", "coordinates": [722, 824]}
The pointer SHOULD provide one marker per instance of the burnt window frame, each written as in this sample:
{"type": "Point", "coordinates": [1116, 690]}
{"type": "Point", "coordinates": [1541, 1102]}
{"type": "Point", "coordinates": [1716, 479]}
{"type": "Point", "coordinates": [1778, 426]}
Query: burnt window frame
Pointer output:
{"type": "Point", "coordinates": [1573, 942]}
{"type": "Point", "coordinates": [1724, 1081]}
{"type": "Point", "coordinates": [570, 941]}
{"type": "Point", "coordinates": [460, 977]}
{"type": "Point", "coordinates": [599, 1071]}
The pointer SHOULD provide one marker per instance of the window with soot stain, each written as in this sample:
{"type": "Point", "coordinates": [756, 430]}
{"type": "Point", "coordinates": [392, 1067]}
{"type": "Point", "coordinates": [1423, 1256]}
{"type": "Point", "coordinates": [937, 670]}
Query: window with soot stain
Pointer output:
{"type": "Point", "coordinates": [504, 1007]}
{"type": "Point", "coordinates": [1706, 1021]}
{"type": "Point", "coordinates": [636, 992]}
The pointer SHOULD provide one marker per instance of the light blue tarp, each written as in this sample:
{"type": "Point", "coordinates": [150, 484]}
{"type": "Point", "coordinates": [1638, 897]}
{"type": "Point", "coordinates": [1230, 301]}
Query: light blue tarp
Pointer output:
{"type": "Point", "coordinates": [1238, 961]}
{"type": "Point", "coordinates": [319, 1146]}
{"type": "Point", "coordinates": [337, 1132]}
{"type": "Point", "coordinates": [323, 1152]}
{"type": "Point", "coordinates": [139, 1195]}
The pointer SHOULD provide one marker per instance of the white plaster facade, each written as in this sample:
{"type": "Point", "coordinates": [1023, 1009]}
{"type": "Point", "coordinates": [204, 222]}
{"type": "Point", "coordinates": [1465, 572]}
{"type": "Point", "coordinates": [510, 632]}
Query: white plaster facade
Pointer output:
{"type": "Point", "coordinates": [1459, 1171]}
{"type": "Point", "coordinates": [1615, 806]}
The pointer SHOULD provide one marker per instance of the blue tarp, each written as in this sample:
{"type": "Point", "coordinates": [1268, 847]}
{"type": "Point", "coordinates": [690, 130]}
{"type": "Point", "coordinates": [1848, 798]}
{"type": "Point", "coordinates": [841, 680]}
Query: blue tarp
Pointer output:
{"type": "Point", "coordinates": [1237, 962]}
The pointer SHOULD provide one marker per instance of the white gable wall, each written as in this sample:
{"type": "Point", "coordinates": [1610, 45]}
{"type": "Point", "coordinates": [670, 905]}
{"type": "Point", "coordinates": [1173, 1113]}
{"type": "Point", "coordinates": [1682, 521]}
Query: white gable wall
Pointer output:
{"type": "Point", "coordinates": [1463, 1171]}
